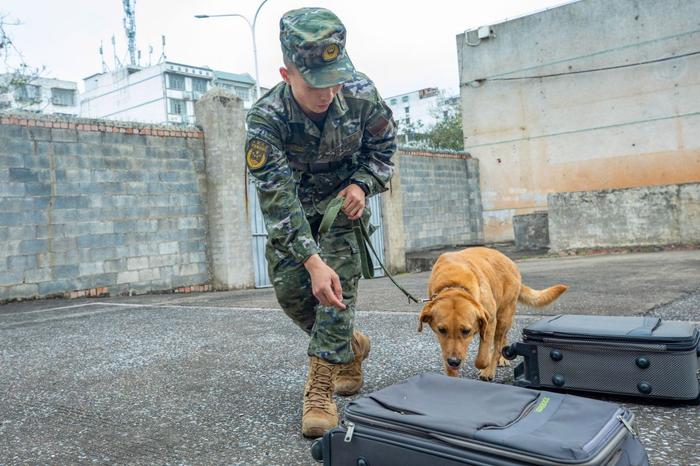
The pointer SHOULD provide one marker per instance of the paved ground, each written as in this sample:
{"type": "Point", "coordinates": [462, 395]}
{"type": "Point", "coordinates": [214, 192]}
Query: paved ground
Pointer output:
{"type": "Point", "coordinates": [216, 378]}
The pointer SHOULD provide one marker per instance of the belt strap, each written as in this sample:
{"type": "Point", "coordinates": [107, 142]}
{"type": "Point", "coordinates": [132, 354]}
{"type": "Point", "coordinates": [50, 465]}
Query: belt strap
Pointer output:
{"type": "Point", "coordinates": [316, 167]}
{"type": "Point", "coordinates": [363, 242]}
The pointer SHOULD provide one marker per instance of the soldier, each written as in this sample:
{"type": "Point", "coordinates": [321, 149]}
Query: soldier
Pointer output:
{"type": "Point", "coordinates": [321, 133]}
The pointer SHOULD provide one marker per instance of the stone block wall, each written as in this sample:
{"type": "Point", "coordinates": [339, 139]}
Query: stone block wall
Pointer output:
{"type": "Point", "coordinates": [441, 199]}
{"type": "Point", "coordinates": [96, 207]}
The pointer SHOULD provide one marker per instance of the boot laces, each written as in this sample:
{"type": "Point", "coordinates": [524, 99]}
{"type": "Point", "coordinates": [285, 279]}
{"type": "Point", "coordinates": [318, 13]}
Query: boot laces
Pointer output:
{"type": "Point", "coordinates": [319, 390]}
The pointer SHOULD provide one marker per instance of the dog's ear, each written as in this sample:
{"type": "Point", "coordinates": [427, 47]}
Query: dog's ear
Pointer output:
{"type": "Point", "coordinates": [425, 315]}
{"type": "Point", "coordinates": [483, 318]}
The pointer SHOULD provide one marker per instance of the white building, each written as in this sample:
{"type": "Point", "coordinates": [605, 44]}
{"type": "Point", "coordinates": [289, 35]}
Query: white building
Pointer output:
{"type": "Point", "coordinates": [41, 95]}
{"type": "Point", "coordinates": [162, 93]}
{"type": "Point", "coordinates": [418, 109]}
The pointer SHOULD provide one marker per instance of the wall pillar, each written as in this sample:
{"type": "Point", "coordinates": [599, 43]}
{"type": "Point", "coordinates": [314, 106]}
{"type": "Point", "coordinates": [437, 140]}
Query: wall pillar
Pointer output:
{"type": "Point", "coordinates": [230, 252]}
{"type": "Point", "coordinates": [392, 222]}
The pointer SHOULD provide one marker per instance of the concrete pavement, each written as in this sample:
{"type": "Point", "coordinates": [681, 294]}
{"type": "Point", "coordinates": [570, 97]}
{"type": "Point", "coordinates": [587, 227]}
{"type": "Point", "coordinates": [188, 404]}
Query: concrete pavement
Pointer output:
{"type": "Point", "coordinates": [216, 378]}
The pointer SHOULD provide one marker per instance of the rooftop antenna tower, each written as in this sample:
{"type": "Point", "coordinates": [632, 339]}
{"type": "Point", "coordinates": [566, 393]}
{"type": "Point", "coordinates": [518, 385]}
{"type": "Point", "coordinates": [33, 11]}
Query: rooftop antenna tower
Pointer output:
{"type": "Point", "coordinates": [163, 57]}
{"type": "Point", "coordinates": [105, 68]}
{"type": "Point", "coordinates": [130, 28]}
{"type": "Point", "coordinates": [117, 63]}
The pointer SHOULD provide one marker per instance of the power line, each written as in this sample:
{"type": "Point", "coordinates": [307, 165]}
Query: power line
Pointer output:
{"type": "Point", "coordinates": [552, 75]}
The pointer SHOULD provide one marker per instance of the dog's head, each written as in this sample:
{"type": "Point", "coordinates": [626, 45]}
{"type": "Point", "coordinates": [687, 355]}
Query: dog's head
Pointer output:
{"type": "Point", "coordinates": [455, 317]}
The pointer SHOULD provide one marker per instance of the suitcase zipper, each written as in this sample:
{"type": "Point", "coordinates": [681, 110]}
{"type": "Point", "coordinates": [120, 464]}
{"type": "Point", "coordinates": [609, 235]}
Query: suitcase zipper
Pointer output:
{"type": "Point", "coordinates": [351, 430]}
{"type": "Point", "coordinates": [629, 425]}
{"type": "Point", "coordinates": [610, 429]}
{"type": "Point", "coordinates": [384, 424]}
{"type": "Point", "coordinates": [528, 408]}
{"type": "Point", "coordinates": [618, 344]}
{"type": "Point", "coordinates": [662, 344]}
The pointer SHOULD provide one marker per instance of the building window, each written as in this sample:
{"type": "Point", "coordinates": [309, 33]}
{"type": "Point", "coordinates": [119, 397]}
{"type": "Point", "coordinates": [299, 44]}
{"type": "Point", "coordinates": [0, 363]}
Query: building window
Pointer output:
{"type": "Point", "coordinates": [28, 92]}
{"type": "Point", "coordinates": [199, 85]}
{"type": "Point", "coordinates": [64, 97]}
{"type": "Point", "coordinates": [176, 82]}
{"type": "Point", "coordinates": [407, 110]}
{"type": "Point", "coordinates": [392, 102]}
{"type": "Point", "coordinates": [177, 106]}
{"type": "Point", "coordinates": [242, 93]}
{"type": "Point", "coordinates": [404, 98]}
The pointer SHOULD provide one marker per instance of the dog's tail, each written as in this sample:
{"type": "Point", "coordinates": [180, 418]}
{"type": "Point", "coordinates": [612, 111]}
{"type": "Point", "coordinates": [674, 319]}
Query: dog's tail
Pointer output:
{"type": "Point", "coordinates": [540, 298]}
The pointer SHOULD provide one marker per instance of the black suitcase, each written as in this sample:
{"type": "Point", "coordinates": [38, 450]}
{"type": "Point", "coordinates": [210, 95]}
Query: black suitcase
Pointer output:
{"type": "Point", "coordinates": [631, 356]}
{"type": "Point", "coordinates": [435, 420]}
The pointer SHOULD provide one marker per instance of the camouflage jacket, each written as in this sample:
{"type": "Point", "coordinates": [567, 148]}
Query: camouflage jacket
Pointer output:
{"type": "Point", "coordinates": [358, 138]}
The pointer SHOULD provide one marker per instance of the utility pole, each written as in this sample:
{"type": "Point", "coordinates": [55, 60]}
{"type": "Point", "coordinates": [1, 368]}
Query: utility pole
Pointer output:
{"type": "Point", "coordinates": [251, 25]}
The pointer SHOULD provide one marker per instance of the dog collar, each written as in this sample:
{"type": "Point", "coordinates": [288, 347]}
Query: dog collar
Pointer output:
{"type": "Point", "coordinates": [443, 289]}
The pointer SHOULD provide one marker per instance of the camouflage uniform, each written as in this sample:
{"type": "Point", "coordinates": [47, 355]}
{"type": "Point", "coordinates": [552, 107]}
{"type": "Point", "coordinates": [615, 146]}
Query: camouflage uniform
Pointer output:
{"type": "Point", "coordinates": [298, 169]}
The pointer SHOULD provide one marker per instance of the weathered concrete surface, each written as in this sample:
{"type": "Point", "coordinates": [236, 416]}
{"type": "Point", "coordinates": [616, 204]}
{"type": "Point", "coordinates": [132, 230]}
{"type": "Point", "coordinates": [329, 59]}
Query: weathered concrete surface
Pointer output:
{"type": "Point", "coordinates": [539, 124]}
{"type": "Point", "coordinates": [653, 215]}
{"type": "Point", "coordinates": [230, 252]}
{"type": "Point", "coordinates": [531, 231]}
{"type": "Point", "coordinates": [216, 378]}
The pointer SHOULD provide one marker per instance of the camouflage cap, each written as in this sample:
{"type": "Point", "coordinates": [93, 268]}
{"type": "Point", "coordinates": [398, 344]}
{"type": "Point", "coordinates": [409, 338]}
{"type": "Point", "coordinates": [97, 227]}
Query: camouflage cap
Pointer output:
{"type": "Point", "coordinates": [313, 39]}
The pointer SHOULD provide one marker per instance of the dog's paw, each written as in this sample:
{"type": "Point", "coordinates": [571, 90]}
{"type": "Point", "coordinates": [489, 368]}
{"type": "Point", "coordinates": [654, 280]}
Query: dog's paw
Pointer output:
{"type": "Point", "coordinates": [486, 375]}
{"type": "Point", "coordinates": [503, 362]}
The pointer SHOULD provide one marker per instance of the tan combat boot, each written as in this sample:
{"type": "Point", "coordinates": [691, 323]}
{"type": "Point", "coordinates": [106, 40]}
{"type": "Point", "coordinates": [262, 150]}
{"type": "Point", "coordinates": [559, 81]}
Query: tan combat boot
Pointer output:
{"type": "Point", "coordinates": [349, 380]}
{"type": "Point", "coordinates": [320, 413]}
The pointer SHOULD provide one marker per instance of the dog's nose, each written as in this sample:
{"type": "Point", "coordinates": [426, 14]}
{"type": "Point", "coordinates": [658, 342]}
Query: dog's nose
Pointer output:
{"type": "Point", "coordinates": [454, 362]}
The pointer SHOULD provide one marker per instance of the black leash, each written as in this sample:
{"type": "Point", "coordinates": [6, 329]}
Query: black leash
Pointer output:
{"type": "Point", "coordinates": [363, 241]}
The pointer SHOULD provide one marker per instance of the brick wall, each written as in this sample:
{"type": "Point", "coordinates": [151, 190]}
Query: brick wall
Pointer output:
{"type": "Point", "coordinates": [95, 207]}
{"type": "Point", "coordinates": [441, 199]}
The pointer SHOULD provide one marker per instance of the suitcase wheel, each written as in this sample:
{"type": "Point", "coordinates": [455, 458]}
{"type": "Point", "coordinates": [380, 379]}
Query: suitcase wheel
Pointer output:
{"type": "Point", "coordinates": [644, 387]}
{"type": "Point", "coordinates": [558, 380]}
{"type": "Point", "coordinates": [508, 352]}
{"type": "Point", "coordinates": [642, 362]}
{"type": "Point", "coordinates": [317, 450]}
{"type": "Point", "coordinates": [556, 355]}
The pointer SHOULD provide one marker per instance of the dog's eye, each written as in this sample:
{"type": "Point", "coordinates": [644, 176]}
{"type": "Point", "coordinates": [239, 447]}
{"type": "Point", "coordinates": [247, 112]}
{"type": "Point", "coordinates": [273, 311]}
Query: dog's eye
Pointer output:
{"type": "Point", "coordinates": [442, 330]}
{"type": "Point", "coordinates": [465, 332]}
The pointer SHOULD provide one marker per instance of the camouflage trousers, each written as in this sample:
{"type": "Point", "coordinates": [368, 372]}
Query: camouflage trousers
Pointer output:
{"type": "Point", "coordinates": [330, 328]}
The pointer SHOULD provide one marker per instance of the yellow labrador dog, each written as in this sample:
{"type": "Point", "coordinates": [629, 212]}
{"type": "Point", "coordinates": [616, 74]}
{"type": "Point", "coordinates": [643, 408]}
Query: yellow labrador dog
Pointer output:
{"type": "Point", "coordinates": [474, 291]}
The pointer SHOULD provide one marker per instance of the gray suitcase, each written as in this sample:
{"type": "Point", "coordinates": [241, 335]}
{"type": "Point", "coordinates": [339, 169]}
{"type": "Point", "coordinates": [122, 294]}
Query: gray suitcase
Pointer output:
{"type": "Point", "coordinates": [435, 420]}
{"type": "Point", "coordinates": [631, 356]}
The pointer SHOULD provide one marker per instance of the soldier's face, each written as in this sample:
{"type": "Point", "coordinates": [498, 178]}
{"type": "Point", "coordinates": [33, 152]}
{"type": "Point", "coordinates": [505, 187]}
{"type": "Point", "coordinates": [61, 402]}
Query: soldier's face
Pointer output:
{"type": "Point", "coordinates": [313, 101]}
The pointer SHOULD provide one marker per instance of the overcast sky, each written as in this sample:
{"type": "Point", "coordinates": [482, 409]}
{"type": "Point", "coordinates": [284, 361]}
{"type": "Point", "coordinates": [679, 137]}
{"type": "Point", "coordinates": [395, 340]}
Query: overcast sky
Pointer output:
{"type": "Point", "coordinates": [402, 46]}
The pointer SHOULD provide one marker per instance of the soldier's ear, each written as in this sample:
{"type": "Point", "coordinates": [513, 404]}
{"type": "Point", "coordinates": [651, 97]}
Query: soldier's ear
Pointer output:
{"type": "Point", "coordinates": [285, 74]}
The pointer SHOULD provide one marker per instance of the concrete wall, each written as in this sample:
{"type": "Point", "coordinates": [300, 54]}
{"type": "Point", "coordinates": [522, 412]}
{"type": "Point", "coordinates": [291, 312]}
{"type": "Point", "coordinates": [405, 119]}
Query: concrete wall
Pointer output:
{"type": "Point", "coordinates": [613, 128]}
{"type": "Point", "coordinates": [221, 115]}
{"type": "Point", "coordinates": [98, 206]}
{"type": "Point", "coordinates": [654, 215]}
{"type": "Point", "coordinates": [441, 199]}
{"type": "Point", "coordinates": [531, 231]}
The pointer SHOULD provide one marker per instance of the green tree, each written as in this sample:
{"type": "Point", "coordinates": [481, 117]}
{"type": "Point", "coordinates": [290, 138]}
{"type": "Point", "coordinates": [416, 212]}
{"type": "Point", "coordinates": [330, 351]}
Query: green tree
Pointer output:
{"type": "Point", "coordinates": [16, 77]}
{"type": "Point", "coordinates": [447, 132]}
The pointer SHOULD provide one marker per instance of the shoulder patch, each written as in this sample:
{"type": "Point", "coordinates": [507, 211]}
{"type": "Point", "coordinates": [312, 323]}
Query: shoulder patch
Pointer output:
{"type": "Point", "coordinates": [257, 153]}
{"type": "Point", "coordinates": [377, 126]}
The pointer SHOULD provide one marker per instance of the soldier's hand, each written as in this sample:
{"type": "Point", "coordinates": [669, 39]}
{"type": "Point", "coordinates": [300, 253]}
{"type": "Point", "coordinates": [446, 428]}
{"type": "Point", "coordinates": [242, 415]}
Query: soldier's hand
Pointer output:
{"type": "Point", "coordinates": [354, 201]}
{"type": "Point", "coordinates": [324, 282]}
